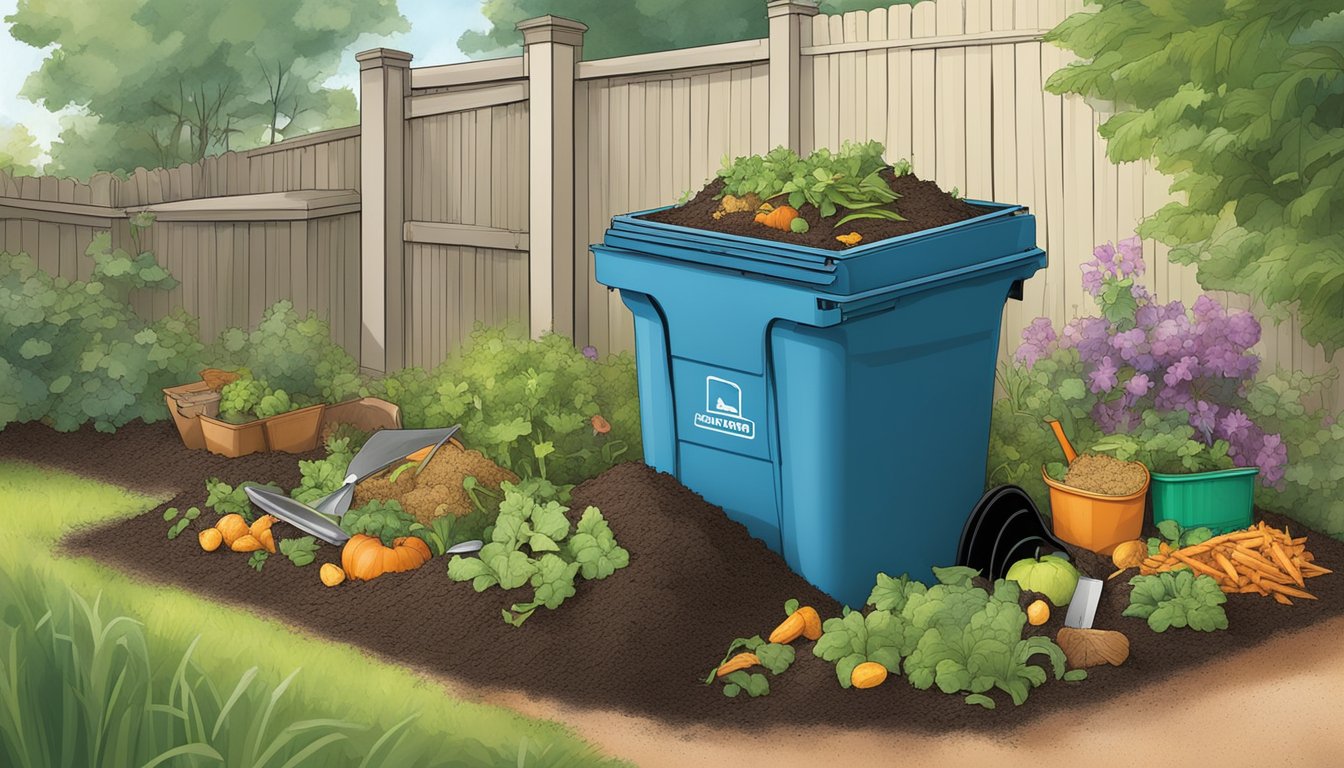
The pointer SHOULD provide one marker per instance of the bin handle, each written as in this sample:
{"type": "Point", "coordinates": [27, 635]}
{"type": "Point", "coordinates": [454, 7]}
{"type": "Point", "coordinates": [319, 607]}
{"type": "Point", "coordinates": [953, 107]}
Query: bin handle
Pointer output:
{"type": "Point", "coordinates": [1069, 453]}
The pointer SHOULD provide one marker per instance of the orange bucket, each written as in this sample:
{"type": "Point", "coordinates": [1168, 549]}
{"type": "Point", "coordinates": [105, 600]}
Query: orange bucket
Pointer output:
{"type": "Point", "coordinates": [1092, 520]}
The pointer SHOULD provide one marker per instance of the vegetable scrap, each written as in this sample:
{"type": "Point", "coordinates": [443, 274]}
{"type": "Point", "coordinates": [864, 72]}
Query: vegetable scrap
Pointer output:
{"type": "Point", "coordinates": [851, 239]}
{"type": "Point", "coordinates": [1260, 560]}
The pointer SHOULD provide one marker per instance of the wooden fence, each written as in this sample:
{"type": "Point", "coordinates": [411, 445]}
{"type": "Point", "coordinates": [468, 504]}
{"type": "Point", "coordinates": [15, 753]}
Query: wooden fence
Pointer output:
{"type": "Point", "coordinates": [486, 181]}
{"type": "Point", "coordinates": [240, 230]}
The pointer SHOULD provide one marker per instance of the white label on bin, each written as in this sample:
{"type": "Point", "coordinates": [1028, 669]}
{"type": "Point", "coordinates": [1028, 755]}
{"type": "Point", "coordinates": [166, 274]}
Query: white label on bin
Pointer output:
{"type": "Point", "coordinates": [723, 410]}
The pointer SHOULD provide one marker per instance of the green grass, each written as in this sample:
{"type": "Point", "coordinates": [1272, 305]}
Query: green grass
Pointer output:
{"type": "Point", "coordinates": [82, 644]}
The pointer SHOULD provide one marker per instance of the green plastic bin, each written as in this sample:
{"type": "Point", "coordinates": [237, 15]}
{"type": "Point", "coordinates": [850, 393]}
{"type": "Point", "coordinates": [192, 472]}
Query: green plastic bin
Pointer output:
{"type": "Point", "coordinates": [1221, 500]}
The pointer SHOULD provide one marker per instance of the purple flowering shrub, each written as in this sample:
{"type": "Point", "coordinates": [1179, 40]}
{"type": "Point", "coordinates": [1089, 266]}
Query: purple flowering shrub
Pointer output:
{"type": "Point", "coordinates": [1172, 377]}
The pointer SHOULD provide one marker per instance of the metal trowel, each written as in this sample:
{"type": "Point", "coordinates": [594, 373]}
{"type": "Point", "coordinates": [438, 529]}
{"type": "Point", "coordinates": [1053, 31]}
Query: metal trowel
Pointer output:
{"type": "Point", "coordinates": [383, 449]}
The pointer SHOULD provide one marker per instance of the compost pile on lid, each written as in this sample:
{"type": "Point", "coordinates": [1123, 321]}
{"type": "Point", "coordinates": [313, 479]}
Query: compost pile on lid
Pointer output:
{"type": "Point", "coordinates": [639, 642]}
{"type": "Point", "coordinates": [921, 203]}
{"type": "Point", "coordinates": [437, 489]}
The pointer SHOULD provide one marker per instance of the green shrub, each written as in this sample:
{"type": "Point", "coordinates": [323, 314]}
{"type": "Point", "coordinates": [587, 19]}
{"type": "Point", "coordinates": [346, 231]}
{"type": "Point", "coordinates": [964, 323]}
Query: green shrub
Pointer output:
{"type": "Point", "coordinates": [527, 404]}
{"type": "Point", "coordinates": [75, 352]}
{"type": "Point", "coordinates": [291, 353]}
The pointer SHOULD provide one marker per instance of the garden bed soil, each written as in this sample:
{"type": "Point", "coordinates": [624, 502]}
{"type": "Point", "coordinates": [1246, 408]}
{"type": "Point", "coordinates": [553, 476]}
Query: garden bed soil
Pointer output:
{"type": "Point", "coordinates": [922, 203]}
{"type": "Point", "coordinates": [640, 642]}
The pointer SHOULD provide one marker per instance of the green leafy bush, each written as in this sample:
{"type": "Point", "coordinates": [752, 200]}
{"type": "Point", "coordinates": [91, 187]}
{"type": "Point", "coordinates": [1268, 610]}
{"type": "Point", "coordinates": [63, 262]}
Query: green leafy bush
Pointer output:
{"type": "Point", "coordinates": [1241, 103]}
{"type": "Point", "coordinates": [527, 404]}
{"type": "Point", "coordinates": [954, 634]}
{"type": "Point", "coordinates": [1177, 599]}
{"type": "Point", "coordinates": [75, 352]}
{"type": "Point", "coordinates": [528, 545]}
{"type": "Point", "coordinates": [291, 353]}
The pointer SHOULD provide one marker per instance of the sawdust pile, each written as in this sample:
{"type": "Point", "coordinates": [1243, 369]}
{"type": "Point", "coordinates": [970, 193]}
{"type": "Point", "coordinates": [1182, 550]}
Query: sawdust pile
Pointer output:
{"type": "Point", "coordinates": [437, 490]}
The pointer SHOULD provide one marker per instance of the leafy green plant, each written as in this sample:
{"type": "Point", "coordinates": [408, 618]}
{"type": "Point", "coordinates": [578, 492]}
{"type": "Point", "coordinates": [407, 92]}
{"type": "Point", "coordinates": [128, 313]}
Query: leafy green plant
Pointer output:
{"type": "Point", "coordinates": [1165, 443]}
{"type": "Point", "coordinates": [383, 519]}
{"type": "Point", "coordinates": [892, 594]}
{"type": "Point", "coordinates": [776, 657]}
{"type": "Point", "coordinates": [753, 683]}
{"type": "Point", "coordinates": [1178, 537]}
{"type": "Point", "coordinates": [954, 634]}
{"type": "Point", "coordinates": [301, 551]}
{"type": "Point", "coordinates": [274, 403]}
{"type": "Point", "coordinates": [854, 639]}
{"type": "Point", "coordinates": [1241, 104]}
{"type": "Point", "coordinates": [850, 179]}
{"type": "Point", "coordinates": [225, 499]}
{"type": "Point", "coordinates": [1177, 599]}
{"type": "Point", "coordinates": [292, 353]}
{"type": "Point", "coordinates": [258, 559]}
{"type": "Point", "coordinates": [171, 514]}
{"type": "Point", "coordinates": [320, 477]}
{"type": "Point", "coordinates": [448, 530]}
{"type": "Point", "coordinates": [74, 352]}
{"type": "Point", "coordinates": [527, 545]}
{"type": "Point", "coordinates": [527, 404]}
{"type": "Point", "coordinates": [240, 397]}
{"type": "Point", "coordinates": [983, 651]}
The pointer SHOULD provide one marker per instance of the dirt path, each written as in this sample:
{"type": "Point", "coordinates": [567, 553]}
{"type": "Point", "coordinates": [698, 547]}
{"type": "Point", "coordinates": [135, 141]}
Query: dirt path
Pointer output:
{"type": "Point", "coordinates": [1294, 684]}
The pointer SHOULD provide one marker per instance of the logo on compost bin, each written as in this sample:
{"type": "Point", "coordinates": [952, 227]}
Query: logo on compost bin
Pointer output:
{"type": "Point", "coordinates": [723, 410]}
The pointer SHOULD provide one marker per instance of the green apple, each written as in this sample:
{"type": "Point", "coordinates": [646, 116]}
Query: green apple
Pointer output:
{"type": "Point", "coordinates": [1054, 577]}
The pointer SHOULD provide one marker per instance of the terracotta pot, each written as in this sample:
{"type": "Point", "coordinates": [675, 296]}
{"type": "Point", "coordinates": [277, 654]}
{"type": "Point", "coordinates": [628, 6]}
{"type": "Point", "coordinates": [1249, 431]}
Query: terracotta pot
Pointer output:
{"type": "Point", "coordinates": [367, 414]}
{"type": "Point", "coordinates": [185, 403]}
{"type": "Point", "coordinates": [295, 431]}
{"type": "Point", "coordinates": [233, 440]}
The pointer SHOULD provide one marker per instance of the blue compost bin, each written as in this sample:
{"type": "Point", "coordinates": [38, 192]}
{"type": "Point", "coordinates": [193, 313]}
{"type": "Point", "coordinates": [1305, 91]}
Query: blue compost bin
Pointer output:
{"type": "Point", "coordinates": [836, 403]}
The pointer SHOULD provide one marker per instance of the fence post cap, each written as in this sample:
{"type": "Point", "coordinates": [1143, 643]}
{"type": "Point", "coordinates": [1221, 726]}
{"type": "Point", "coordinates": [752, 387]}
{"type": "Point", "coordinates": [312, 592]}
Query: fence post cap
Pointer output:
{"type": "Point", "coordinates": [383, 57]}
{"type": "Point", "coordinates": [552, 29]}
{"type": "Point", "coordinates": [791, 7]}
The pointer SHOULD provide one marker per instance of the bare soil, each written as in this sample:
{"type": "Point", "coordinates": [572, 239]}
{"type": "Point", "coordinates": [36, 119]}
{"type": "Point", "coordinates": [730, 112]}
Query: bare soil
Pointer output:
{"type": "Point", "coordinates": [638, 643]}
{"type": "Point", "coordinates": [922, 203]}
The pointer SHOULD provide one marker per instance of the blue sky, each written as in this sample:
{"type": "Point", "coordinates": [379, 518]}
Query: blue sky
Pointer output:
{"type": "Point", "coordinates": [435, 27]}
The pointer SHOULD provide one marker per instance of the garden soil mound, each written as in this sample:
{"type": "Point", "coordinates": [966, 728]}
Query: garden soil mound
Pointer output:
{"type": "Point", "coordinates": [922, 203]}
{"type": "Point", "coordinates": [641, 641]}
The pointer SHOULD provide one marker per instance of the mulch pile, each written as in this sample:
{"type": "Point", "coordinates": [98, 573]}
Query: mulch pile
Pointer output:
{"type": "Point", "coordinates": [641, 641]}
{"type": "Point", "coordinates": [922, 203]}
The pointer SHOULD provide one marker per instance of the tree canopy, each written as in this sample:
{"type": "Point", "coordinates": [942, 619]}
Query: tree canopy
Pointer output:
{"type": "Point", "coordinates": [161, 82]}
{"type": "Point", "coordinates": [1242, 104]}
{"type": "Point", "coordinates": [18, 151]}
{"type": "Point", "coordinates": [637, 26]}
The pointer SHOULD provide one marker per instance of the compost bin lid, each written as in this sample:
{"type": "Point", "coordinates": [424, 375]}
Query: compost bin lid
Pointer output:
{"type": "Point", "coordinates": [1005, 526]}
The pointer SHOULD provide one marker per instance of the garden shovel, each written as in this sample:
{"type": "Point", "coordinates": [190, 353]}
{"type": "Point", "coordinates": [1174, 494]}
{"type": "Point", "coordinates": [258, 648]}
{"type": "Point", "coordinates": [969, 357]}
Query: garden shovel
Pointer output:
{"type": "Point", "coordinates": [383, 449]}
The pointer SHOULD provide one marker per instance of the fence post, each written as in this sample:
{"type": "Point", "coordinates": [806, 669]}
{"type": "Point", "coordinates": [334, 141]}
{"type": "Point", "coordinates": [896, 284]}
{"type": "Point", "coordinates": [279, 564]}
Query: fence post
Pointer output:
{"type": "Point", "coordinates": [384, 84]}
{"type": "Point", "coordinates": [552, 47]}
{"type": "Point", "coordinates": [790, 30]}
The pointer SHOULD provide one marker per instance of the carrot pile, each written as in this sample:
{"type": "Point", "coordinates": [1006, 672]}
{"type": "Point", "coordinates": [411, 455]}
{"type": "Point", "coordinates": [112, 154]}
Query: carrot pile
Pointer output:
{"type": "Point", "coordinates": [1260, 560]}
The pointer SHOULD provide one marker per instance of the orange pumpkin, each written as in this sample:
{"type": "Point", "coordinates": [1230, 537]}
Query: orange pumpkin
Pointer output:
{"type": "Point", "coordinates": [366, 557]}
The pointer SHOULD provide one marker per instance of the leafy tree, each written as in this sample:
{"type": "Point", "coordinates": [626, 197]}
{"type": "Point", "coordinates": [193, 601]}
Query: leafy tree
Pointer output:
{"type": "Point", "coordinates": [1242, 104]}
{"type": "Point", "coordinates": [18, 151]}
{"type": "Point", "coordinates": [637, 26]}
{"type": "Point", "coordinates": [164, 82]}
